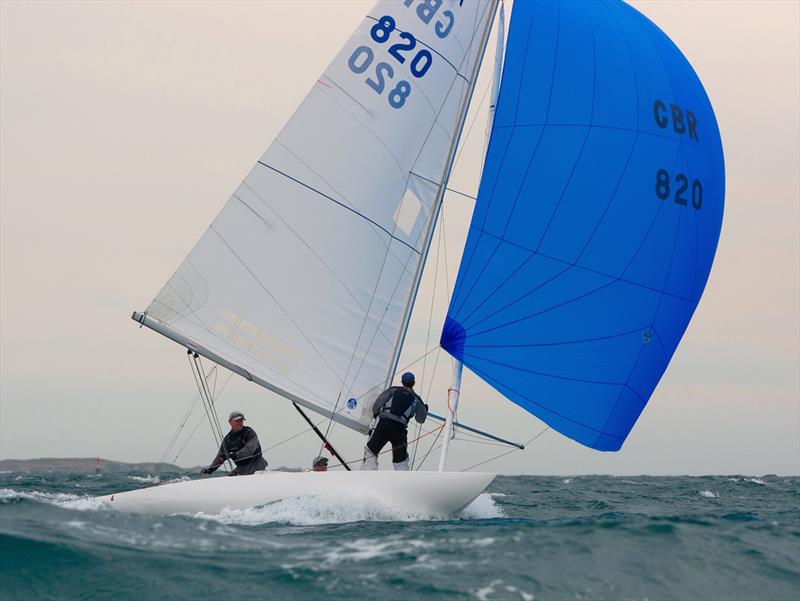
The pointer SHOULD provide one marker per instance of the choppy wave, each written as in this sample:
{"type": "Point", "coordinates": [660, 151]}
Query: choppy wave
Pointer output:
{"type": "Point", "coordinates": [68, 501]}
{"type": "Point", "coordinates": [526, 538]}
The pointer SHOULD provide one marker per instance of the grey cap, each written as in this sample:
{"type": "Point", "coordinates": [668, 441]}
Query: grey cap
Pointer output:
{"type": "Point", "coordinates": [236, 415]}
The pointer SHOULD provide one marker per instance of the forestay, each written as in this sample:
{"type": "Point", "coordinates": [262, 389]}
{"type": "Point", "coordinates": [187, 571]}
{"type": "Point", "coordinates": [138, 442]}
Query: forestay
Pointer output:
{"type": "Point", "coordinates": [597, 219]}
{"type": "Point", "coordinates": [305, 279]}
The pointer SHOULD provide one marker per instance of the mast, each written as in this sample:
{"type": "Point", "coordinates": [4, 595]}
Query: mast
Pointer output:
{"type": "Point", "coordinates": [454, 392]}
{"type": "Point", "coordinates": [440, 198]}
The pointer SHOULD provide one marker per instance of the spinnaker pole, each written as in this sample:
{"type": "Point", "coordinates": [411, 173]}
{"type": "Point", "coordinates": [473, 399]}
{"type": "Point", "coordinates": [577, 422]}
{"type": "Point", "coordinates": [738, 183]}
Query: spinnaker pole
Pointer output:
{"type": "Point", "coordinates": [454, 391]}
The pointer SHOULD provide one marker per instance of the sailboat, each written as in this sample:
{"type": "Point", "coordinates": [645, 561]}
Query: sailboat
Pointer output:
{"type": "Point", "coordinates": [596, 222]}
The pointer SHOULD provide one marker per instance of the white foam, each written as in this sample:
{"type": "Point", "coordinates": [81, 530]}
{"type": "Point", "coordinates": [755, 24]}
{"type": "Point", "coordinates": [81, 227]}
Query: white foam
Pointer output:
{"type": "Point", "coordinates": [81, 503]}
{"type": "Point", "coordinates": [369, 549]}
{"type": "Point", "coordinates": [566, 481]}
{"type": "Point", "coordinates": [313, 511]}
{"type": "Point", "coordinates": [145, 479]}
{"type": "Point", "coordinates": [707, 494]}
{"type": "Point", "coordinates": [756, 481]}
{"type": "Point", "coordinates": [481, 542]}
{"type": "Point", "coordinates": [338, 509]}
{"type": "Point", "coordinates": [483, 594]}
{"type": "Point", "coordinates": [483, 508]}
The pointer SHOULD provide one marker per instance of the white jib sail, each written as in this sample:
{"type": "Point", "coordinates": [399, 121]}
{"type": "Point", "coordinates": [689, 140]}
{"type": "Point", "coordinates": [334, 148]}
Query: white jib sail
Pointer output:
{"type": "Point", "coordinates": [306, 277]}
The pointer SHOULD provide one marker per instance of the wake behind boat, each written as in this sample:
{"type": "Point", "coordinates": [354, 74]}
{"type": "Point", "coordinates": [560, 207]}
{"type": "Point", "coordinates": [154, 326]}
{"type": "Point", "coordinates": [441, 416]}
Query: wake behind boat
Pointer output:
{"type": "Point", "coordinates": [432, 494]}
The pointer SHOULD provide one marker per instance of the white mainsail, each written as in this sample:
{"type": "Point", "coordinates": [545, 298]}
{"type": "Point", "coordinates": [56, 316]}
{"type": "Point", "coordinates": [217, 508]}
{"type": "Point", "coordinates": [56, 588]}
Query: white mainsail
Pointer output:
{"type": "Point", "coordinates": [305, 280]}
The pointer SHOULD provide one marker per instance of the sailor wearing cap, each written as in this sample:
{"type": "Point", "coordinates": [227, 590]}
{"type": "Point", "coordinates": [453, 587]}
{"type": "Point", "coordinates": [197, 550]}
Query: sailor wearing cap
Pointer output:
{"type": "Point", "coordinates": [394, 407]}
{"type": "Point", "coordinates": [241, 446]}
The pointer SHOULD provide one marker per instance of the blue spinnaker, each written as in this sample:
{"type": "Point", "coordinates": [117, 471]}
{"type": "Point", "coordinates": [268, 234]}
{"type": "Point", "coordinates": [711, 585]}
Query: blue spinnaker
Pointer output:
{"type": "Point", "coordinates": [597, 219]}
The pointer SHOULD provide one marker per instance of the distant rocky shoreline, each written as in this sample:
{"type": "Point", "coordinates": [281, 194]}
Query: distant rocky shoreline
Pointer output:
{"type": "Point", "coordinates": [87, 465]}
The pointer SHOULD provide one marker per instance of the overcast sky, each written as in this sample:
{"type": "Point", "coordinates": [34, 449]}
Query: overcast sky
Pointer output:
{"type": "Point", "coordinates": [125, 126]}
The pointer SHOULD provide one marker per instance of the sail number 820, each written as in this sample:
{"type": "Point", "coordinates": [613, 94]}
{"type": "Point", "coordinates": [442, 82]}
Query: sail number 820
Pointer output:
{"type": "Point", "coordinates": [363, 57]}
{"type": "Point", "coordinates": [663, 189]}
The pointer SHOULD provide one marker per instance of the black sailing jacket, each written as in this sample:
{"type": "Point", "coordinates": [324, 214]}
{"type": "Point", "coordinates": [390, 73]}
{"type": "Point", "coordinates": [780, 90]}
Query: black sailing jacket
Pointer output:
{"type": "Point", "coordinates": [399, 404]}
{"type": "Point", "coordinates": [243, 448]}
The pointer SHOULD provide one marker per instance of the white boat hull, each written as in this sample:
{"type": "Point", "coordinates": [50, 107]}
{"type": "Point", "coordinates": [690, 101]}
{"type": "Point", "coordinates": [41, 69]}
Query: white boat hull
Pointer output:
{"type": "Point", "coordinates": [435, 494]}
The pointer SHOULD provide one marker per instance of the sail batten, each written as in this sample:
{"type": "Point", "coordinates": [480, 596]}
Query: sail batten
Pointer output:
{"type": "Point", "coordinates": [305, 278]}
{"type": "Point", "coordinates": [596, 221]}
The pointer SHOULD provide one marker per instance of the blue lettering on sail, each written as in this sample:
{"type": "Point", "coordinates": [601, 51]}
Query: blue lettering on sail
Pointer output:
{"type": "Point", "coordinates": [363, 57]}
{"type": "Point", "coordinates": [443, 28]}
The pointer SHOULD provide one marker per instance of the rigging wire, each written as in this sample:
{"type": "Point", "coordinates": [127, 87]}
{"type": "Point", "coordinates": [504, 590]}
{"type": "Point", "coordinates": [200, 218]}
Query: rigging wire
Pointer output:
{"type": "Point", "coordinates": [391, 449]}
{"type": "Point", "coordinates": [200, 421]}
{"type": "Point", "coordinates": [209, 395]}
{"type": "Point", "coordinates": [284, 441]}
{"type": "Point", "coordinates": [421, 463]}
{"type": "Point", "coordinates": [507, 452]}
{"type": "Point", "coordinates": [428, 333]}
{"type": "Point", "coordinates": [186, 415]}
{"type": "Point", "coordinates": [474, 118]}
{"type": "Point", "coordinates": [186, 442]}
{"type": "Point", "coordinates": [201, 389]}
{"type": "Point", "coordinates": [212, 411]}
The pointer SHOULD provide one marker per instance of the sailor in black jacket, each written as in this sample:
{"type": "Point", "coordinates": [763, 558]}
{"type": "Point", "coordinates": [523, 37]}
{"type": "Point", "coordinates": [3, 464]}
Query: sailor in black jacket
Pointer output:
{"type": "Point", "coordinates": [241, 446]}
{"type": "Point", "coordinates": [394, 407]}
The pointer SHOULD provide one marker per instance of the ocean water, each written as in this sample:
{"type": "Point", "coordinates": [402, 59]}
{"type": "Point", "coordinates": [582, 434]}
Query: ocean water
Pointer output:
{"type": "Point", "coordinates": [592, 537]}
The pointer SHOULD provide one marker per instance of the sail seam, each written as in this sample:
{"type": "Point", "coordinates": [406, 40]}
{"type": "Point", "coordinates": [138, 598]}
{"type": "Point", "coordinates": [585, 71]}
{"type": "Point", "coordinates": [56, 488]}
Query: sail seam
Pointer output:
{"type": "Point", "coordinates": [484, 376]}
{"type": "Point", "coordinates": [563, 342]}
{"type": "Point", "coordinates": [344, 206]}
{"type": "Point", "coordinates": [616, 128]}
{"type": "Point", "coordinates": [589, 269]}
{"type": "Point", "coordinates": [547, 374]}
{"type": "Point", "coordinates": [331, 186]}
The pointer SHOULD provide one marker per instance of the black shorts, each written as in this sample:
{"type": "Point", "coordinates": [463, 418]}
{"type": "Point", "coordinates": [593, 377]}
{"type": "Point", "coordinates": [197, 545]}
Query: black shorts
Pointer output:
{"type": "Point", "coordinates": [389, 430]}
